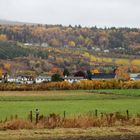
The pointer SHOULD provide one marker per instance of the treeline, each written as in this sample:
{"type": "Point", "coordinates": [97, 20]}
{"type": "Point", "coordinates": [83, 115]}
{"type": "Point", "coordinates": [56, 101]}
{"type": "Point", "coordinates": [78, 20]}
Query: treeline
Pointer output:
{"type": "Point", "coordinates": [82, 85]}
{"type": "Point", "coordinates": [59, 36]}
{"type": "Point", "coordinates": [11, 50]}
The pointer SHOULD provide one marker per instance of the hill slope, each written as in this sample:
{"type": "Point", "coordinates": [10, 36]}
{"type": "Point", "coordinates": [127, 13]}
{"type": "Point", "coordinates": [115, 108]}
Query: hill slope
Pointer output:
{"type": "Point", "coordinates": [46, 47]}
{"type": "Point", "coordinates": [10, 22]}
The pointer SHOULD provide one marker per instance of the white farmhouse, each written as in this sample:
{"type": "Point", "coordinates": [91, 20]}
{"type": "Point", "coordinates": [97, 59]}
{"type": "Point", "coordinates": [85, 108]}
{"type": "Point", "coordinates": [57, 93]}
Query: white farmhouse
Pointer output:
{"type": "Point", "coordinates": [41, 79]}
{"type": "Point", "coordinates": [134, 76]}
{"type": "Point", "coordinates": [72, 79]}
{"type": "Point", "coordinates": [11, 80]}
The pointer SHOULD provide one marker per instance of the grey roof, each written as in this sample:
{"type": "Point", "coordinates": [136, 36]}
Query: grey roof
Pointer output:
{"type": "Point", "coordinates": [44, 77]}
{"type": "Point", "coordinates": [72, 77]}
{"type": "Point", "coordinates": [104, 76]}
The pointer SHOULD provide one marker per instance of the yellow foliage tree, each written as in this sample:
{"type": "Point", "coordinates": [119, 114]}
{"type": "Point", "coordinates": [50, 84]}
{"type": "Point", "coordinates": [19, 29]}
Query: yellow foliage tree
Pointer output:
{"type": "Point", "coordinates": [71, 43]}
{"type": "Point", "coordinates": [95, 71]}
{"type": "Point", "coordinates": [7, 66]}
{"type": "Point", "coordinates": [122, 62]}
{"type": "Point", "coordinates": [3, 37]}
{"type": "Point", "coordinates": [93, 58]}
{"type": "Point", "coordinates": [86, 54]}
{"type": "Point", "coordinates": [135, 62]}
{"type": "Point", "coordinates": [107, 60]}
{"type": "Point", "coordinates": [1, 72]}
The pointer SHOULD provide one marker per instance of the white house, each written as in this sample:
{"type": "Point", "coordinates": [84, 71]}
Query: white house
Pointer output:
{"type": "Point", "coordinates": [72, 79]}
{"type": "Point", "coordinates": [24, 80]}
{"type": "Point", "coordinates": [134, 76]}
{"type": "Point", "coordinates": [97, 49]}
{"type": "Point", "coordinates": [41, 79]}
{"type": "Point", "coordinates": [11, 80]}
{"type": "Point", "coordinates": [44, 45]}
{"type": "Point", "coordinates": [28, 44]}
{"type": "Point", "coordinates": [106, 51]}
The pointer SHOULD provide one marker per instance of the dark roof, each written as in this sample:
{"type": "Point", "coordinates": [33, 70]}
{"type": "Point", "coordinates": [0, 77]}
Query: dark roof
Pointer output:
{"type": "Point", "coordinates": [104, 76]}
{"type": "Point", "coordinates": [80, 74]}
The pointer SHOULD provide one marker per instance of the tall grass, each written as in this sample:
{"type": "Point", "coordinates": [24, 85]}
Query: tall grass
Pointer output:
{"type": "Point", "coordinates": [82, 121]}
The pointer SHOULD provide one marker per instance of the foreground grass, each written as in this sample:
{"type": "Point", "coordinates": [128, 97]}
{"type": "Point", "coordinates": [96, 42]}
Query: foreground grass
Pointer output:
{"type": "Point", "coordinates": [103, 133]}
{"type": "Point", "coordinates": [73, 102]}
{"type": "Point", "coordinates": [126, 92]}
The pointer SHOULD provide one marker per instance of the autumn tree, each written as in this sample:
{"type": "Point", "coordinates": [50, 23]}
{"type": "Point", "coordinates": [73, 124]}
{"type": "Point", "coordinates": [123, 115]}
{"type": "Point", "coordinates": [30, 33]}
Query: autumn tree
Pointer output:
{"type": "Point", "coordinates": [122, 73]}
{"type": "Point", "coordinates": [7, 66]}
{"type": "Point", "coordinates": [1, 72]}
{"type": "Point", "coordinates": [3, 37]}
{"type": "Point", "coordinates": [55, 42]}
{"type": "Point", "coordinates": [95, 71]}
{"type": "Point", "coordinates": [71, 44]}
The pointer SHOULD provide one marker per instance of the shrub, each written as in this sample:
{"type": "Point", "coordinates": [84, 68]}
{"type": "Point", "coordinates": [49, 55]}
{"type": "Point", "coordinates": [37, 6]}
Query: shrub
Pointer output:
{"type": "Point", "coordinates": [84, 84]}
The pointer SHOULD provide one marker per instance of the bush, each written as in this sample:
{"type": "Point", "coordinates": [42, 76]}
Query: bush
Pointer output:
{"type": "Point", "coordinates": [84, 84]}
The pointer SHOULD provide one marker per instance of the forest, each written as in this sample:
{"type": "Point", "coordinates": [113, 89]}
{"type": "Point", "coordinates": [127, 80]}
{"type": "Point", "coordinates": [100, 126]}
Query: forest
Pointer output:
{"type": "Point", "coordinates": [52, 48]}
{"type": "Point", "coordinates": [121, 40]}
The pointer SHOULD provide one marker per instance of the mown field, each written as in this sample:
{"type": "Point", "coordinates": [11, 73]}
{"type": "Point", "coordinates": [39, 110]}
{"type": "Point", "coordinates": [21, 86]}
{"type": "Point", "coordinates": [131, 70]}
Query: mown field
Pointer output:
{"type": "Point", "coordinates": [73, 102]}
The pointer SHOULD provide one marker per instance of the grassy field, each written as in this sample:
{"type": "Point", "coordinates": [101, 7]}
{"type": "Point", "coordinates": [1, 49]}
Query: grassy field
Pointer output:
{"type": "Point", "coordinates": [73, 102]}
{"type": "Point", "coordinates": [126, 92]}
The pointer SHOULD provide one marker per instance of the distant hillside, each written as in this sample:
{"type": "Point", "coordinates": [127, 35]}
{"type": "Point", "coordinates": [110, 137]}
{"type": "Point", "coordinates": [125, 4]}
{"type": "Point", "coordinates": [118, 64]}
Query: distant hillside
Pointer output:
{"type": "Point", "coordinates": [9, 22]}
{"type": "Point", "coordinates": [47, 47]}
{"type": "Point", "coordinates": [108, 40]}
{"type": "Point", "coordinates": [52, 59]}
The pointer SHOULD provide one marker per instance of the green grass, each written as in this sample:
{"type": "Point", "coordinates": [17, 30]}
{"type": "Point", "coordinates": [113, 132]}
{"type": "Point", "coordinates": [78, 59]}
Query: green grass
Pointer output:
{"type": "Point", "coordinates": [126, 92]}
{"type": "Point", "coordinates": [73, 102]}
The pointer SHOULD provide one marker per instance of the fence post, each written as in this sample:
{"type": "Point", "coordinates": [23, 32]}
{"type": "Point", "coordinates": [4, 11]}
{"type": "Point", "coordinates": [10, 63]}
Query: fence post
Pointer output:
{"type": "Point", "coordinates": [37, 115]}
{"type": "Point", "coordinates": [102, 115]}
{"type": "Point", "coordinates": [127, 113]}
{"type": "Point", "coordinates": [31, 116]}
{"type": "Point", "coordinates": [64, 114]}
{"type": "Point", "coordinates": [96, 113]}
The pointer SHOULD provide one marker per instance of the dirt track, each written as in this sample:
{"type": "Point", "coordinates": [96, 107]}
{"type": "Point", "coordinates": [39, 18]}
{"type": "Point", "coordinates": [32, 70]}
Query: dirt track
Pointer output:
{"type": "Point", "coordinates": [104, 138]}
{"type": "Point", "coordinates": [125, 137]}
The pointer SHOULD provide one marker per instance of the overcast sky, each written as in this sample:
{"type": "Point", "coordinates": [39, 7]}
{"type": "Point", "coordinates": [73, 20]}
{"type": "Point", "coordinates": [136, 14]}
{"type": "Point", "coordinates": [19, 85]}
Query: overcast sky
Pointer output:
{"type": "Point", "coordinates": [101, 13]}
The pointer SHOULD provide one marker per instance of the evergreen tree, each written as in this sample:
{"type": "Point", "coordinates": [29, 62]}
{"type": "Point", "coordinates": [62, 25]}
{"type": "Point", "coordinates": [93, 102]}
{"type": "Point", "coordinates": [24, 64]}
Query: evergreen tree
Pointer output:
{"type": "Point", "coordinates": [89, 75]}
{"type": "Point", "coordinates": [66, 72]}
{"type": "Point", "coordinates": [56, 78]}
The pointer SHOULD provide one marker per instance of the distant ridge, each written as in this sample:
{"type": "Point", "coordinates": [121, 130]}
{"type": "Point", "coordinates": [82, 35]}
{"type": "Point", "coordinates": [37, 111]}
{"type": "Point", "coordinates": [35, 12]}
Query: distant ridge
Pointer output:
{"type": "Point", "coordinates": [9, 22]}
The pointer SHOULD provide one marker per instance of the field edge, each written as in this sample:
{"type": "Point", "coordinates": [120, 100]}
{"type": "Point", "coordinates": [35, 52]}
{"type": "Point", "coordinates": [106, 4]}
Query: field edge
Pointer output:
{"type": "Point", "coordinates": [102, 133]}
